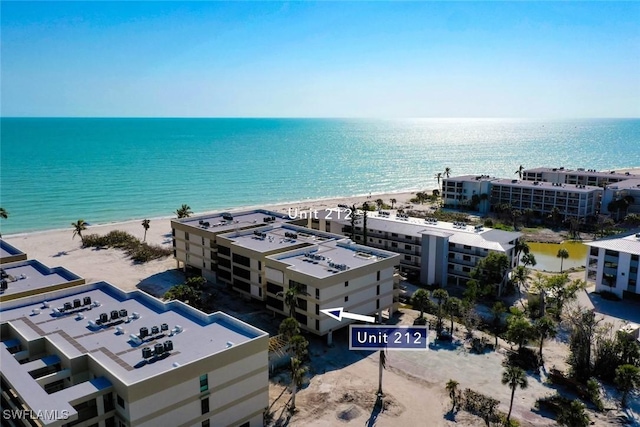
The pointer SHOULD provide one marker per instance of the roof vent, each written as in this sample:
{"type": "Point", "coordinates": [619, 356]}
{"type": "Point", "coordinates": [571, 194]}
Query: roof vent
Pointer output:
{"type": "Point", "coordinates": [229, 344]}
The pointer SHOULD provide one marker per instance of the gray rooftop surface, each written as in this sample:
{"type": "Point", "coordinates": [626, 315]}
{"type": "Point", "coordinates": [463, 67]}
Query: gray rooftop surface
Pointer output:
{"type": "Point", "coordinates": [627, 242]}
{"type": "Point", "coordinates": [470, 178]}
{"type": "Point", "coordinates": [547, 185]}
{"type": "Point", "coordinates": [202, 335]}
{"type": "Point", "coordinates": [240, 220]}
{"type": "Point", "coordinates": [627, 184]}
{"type": "Point", "coordinates": [581, 172]}
{"type": "Point", "coordinates": [276, 239]}
{"type": "Point", "coordinates": [30, 275]}
{"type": "Point", "coordinates": [7, 250]}
{"type": "Point", "coordinates": [339, 252]}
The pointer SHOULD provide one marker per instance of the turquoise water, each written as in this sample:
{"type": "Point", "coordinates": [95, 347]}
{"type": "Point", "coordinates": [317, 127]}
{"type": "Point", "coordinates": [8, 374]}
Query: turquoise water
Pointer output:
{"type": "Point", "coordinates": [54, 171]}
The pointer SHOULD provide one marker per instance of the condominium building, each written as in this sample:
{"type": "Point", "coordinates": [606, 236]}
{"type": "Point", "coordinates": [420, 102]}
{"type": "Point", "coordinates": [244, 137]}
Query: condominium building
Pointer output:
{"type": "Point", "coordinates": [621, 190]}
{"type": "Point", "coordinates": [22, 279]}
{"type": "Point", "coordinates": [9, 253]}
{"type": "Point", "coordinates": [612, 263]}
{"type": "Point", "coordinates": [573, 200]}
{"type": "Point", "coordinates": [194, 239]}
{"type": "Point", "coordinates": [437, 252]}
{"type": "Point", "coordinates": [580, 176]}
{"type": "Point", "coordinates": [329, 270]}
{"type": "Point", "coordinates": [467, 190]}
{"type": "Point", "coordinates": [93, 355]}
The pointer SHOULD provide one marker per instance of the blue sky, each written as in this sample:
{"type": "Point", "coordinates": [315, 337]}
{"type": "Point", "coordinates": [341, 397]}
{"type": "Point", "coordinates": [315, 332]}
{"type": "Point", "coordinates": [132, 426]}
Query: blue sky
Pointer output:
{"type": "Point", "coordinates": [326, 59]}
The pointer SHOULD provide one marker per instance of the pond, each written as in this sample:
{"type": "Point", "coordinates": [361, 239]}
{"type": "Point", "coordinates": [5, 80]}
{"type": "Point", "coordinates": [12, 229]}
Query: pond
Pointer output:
{"type": "Point", "coordinates": [546, 255]}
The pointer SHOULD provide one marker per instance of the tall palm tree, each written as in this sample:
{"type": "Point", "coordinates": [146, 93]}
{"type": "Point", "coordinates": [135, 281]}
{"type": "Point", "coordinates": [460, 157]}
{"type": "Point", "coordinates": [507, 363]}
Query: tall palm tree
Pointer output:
{"type": "Point", "coordinates": [521, 247]}
{"type": "Point", "coordinates": [289, 328]}
{"type": "Point", "coordinates": [379, 203]}
{"type": "Point", "coordinates": [529, 260]}
{"type": "Point", "coordinates": [297, 375]}
{"type": "Point", "coordinates": [447, 172]}
{"type": "Point", "coordinates": [497, 310]}
{"type": "Point", "coordinates": [184, 211]}
{"type": "Point", "coordinates": [291, 296]}
{"type": "Point", "coordinates": [393, 202]}
{"type": "Point", "coordinates": [452, 388]}
{"type": "Point", "coordinates": [382, 365]}
{"type": "Point", "coordinates": [145, 225]}
{"type": "Point", "coordinates": [78, 227]}
{"type": "Point", "coordinates": [441, 296]}
{"type": "Point", "coordinates": [545, 328]}
{"type": "Point", "coordinates": [514, 377]}
{"type": "Point", "coordinates": [3, 213]}
{"type": "Point", "coordinates": [562, 254]}
{"type": "Point", "coordinates": [438, 178]}
{"type": "Point", "coordinates": [519, 171]}
{"type": "Point", "coordinates": [420, 300]}
{"type": "Point", "coordinates": [452, 306]}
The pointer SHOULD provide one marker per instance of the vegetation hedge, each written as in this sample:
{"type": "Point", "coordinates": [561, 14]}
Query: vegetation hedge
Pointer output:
{"type": "Point", "coordinates": [139, 252]}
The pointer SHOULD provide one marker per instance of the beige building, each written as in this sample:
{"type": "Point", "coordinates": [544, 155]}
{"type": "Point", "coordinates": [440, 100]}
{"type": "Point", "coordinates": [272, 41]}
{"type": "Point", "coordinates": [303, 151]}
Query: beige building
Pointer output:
{"type": "Point", "coordinates": [580, 176]}
{"type": "Point", "coordinates": [573, 200]}
{"type": "Point", "coordinates": [93, 355]}
{"type": "Point", "coordinates": [329, 270]}
{"type": "Point", "coordinates": [612, 264]}
{"type": "Point", "coordinates": [9, 253]}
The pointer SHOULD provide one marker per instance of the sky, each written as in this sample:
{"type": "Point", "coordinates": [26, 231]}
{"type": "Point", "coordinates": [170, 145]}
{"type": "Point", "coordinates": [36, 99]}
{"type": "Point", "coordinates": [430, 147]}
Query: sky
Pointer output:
{"type": "Point", "coordinates": [320, 59]}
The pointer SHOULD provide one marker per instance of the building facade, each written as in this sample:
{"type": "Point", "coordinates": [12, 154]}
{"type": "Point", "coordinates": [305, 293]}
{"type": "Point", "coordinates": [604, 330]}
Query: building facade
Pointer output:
{"type": "Point", "coordinates": [93, 355]}
{"type": "Point", "coordinates": [580, 176]}
{"type": "Point", "coordinates": [467, 191]}
{"type": "Point", "coordinates": [612, 264]}
{"type": "Point", "coordinates": [572, 200]}
{"type": "Point", "coordinates": [629, 190]}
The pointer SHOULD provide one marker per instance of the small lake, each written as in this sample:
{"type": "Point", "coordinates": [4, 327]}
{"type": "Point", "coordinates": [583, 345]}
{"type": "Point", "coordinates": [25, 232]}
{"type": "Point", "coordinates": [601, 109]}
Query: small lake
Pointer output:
{"type": "Point", "coordinates": [546, 255]}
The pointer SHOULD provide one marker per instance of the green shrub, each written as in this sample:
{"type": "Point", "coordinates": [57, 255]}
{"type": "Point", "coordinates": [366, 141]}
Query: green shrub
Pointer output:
{"type": "Point", "coordinates": [135, 249]}
{"type": "Point", "coordinates": [488, 222]}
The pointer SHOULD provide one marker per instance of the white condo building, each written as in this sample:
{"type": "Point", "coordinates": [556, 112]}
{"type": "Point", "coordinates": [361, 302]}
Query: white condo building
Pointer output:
{"type": "Point", "coordinates": [437, 252]}
{"type": "Point", "coordinates": [612, 263]}
{"type": "Point", "coordinates": [580, 176]}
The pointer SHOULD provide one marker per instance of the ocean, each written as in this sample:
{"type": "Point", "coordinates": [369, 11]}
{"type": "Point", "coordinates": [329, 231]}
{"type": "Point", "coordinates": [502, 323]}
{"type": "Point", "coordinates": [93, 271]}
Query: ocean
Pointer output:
{"type": "Point", "coordinates": [54, 171]}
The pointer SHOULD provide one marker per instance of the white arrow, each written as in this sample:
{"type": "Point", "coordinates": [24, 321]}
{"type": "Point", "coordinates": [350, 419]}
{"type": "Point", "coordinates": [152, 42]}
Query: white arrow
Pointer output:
{"type": "Point", "coordinates": [338, 314]}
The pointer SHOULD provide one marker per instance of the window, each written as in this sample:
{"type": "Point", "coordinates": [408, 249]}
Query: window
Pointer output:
{"type": "Point", "coordinates": [407, 257]}
{"type": "Point", "coordinates": [467, 247]}
{"type": "Point", "coordinates": [346, 298]}
{"type": "Point", "coordinates": [379, 241]}
{"type": "Point", "coordinates": [224, 250]}
{"type": "Point", "coordinates": [259, 265]}
{"type": "Point", "coordinates": [466, 258]}
{"type": "Point", "coordinates": [407, 247]}
{"type": "Point", "coordinates": [245, 424]}
{"type": "Point", "coordinates": [302, 318]}
{"type": "Point", "coordinates": [317, 325]}
{"type": "Point", "coordinates": [275, 303]}
{"type": "Point", "coordinates": [408, 237]}
{"type": "Point", "coordinates": [394, 245]}
{"type": "Point", "coordinates": [203, 241]}
{"type": "Point", "coordinates": [346, 283]}
{"type": "Point", "coordinates": [186, 246]}
{"type": "Point", "coordinates": [394, 234]}
{"type": "Point", "coordinates": [378, 276]}
{"type": "Point", "coordinates": [120, 401]}
{"type": "Point", "coordinates": [273, 288]}
{"type": "Point", "coordinates": [242, 260]}
{"type": "Point", "coordinates": [317, 293]}
{"type": "Point", "coordinates": [204, 405]}
{"type": "Point", "coordinates": [378, 290]}
{"type": "Point", "coordinates": [204, 383]}
{"type": "Point", "coordinates": [302, 304]}
{"type": "Point", "coordinates": [241, 285]}
{"type": "Point", "coordinates": [108, 402]}
{"type": "Point", "coordinates": [205, 423]}
{"type": "Point", "coordinates": [317, 310]}
{"type": "Point", "coordinates": [212, 254]}
{"type": "Point", "coordinates": [241, 272]}
{"type": "Point", "coordinates": [377, 304]}
{"type": "Point", "coordinates": [186, 236]}
{"type": "Point", "coordinates": [173, 232]}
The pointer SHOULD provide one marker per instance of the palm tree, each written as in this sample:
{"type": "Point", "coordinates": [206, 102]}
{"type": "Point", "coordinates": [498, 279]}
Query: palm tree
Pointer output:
{"type": "Point", "coordinates": [145, 225]}
{"type": "Point", "coordinates": [521, 247]}
{"type": "Point", "coordinates": [519, 277]}
{"type": "Point", "coordinates": [289, 328]}
{"type": "Point", "coordinates": [562, 254]}
{"type": "Point", "coordinates": [514, 377]}
{"type": "Point", "coordinates": [441, 296]}
{"type": "Point", "coordinates": [627, 379]}
{"type": "Point", "coordinates": [452, 306]}
{"type": "Point", "coordinates": [379, 203]}
{"type": "Point", "coordinates": [291, 298]}
{"type": "Point", "coordinates": [393, 202]}
{"type": "Point", "coordinates": [573, 415]}
{"type": "Point", "coordinates": [184, 211]}
{"type": "Point", "coordinates": [497, 310]}
{"type": "Point", "coordinates": [420, 300]}
{"type": "Point", "coordinates": [452, 388]}
{"type": "Point", "coordinates": [528, 260]}
{"type": "Point", "coordinates": [519, 171]}
{"type": "Point", "coordinates": [297, 375]}
{"type": "Point", "coordinates": [438, 177]}
{"type": "Point", "coordinates": [447, 172]}
{"type": "Point", "coordinates": [3, 213]}
{"type": "Point", "coordinates": [382, 365]}
{"type": "Point", "coordinates": [78, 227]}
{"type": "Point", "coordinates": [545, 327]}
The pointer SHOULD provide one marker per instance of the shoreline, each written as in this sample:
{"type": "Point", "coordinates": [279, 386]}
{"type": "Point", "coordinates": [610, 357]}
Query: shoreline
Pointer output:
{"type": "Point", "coordinates": [277, 207]}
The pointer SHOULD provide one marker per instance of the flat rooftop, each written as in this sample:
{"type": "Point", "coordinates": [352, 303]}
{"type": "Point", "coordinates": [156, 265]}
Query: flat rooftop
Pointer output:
{"type": "Point", "coordinates": [332, 258]}
{"type": "Point", "coordinates": [481, 237]}
{"type": "Point", "coordinates": [627, 184]}
{"type": "Point", "coordinates": [547, 185]}
{"type": "Point", "coordinates": [465, 178]}
{"type": "Point", "coordinates": [9, 253]}
{"type": "Point", "coordinates": [201, 335]}
{"type": "Point", "coordinates": [32, 277]}
{"type": "Point", "coordinates": [278, 237]}
{"type": "Point", "coordinates": [222, 222]}
{"type": "Point", "coordinates": [581, 172]}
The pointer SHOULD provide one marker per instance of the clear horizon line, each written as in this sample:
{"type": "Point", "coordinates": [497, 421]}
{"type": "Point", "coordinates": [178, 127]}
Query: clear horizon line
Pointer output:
{"type": "Point", "coordinates": [328, 117]}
